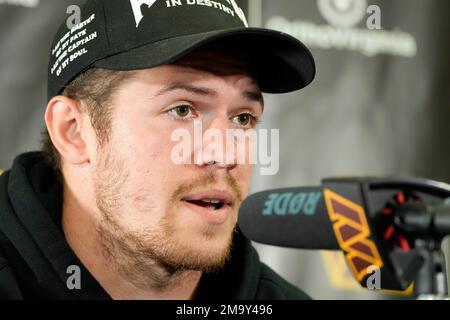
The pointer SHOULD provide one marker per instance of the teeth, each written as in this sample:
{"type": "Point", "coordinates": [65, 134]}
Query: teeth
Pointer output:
{"type": "Point", "coordinates": [213, 201]}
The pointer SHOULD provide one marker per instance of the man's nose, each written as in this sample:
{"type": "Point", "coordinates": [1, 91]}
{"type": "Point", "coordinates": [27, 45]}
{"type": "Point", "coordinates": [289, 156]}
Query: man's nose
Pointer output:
{"type": "Point", "coordinates": [216, 149]}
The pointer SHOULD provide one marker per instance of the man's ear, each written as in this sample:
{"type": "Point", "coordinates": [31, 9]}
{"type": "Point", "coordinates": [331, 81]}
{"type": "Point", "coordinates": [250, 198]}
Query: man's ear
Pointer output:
{"type": "Point", "coordinates": [64, 121]}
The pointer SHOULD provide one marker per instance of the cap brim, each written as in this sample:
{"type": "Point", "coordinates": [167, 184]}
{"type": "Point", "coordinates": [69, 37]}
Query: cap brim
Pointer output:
{"type": "Point", "coordinates": [280, 62]}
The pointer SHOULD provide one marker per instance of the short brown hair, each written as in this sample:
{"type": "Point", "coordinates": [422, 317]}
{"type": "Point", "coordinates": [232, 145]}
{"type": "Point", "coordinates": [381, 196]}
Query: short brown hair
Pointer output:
{"type": "Point", "coordinates": [95, 88]}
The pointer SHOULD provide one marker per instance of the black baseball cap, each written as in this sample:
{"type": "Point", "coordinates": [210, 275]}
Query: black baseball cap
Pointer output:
{"type": "Point", "coordinates": [138, 34]}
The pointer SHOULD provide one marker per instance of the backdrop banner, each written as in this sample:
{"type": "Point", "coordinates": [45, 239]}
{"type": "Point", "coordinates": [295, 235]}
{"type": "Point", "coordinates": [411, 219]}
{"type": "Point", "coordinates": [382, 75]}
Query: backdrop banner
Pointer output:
{"type": "Point", "coordinates": [27, 28]}
{"type": "Point", "coordinates": [380, 105]}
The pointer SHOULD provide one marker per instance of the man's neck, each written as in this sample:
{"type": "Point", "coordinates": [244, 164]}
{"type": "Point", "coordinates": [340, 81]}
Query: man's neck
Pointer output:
{"type": "Point", "coordinates": [80, 230]}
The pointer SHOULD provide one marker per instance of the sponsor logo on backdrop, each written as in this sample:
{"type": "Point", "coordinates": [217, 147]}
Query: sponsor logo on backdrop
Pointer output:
{"type": "Point", "coordinates": [343, 13]}
{"type": "Point", "coordinates": [21, 3]}
{"type": "Point", "coordinates": [342, 31]}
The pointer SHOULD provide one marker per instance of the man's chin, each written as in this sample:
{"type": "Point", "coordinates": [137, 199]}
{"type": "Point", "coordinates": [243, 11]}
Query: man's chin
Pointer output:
{"type": "Point", "coordinates": [206, 254]}
{"type": "Point", "coordinates": [204, 263]}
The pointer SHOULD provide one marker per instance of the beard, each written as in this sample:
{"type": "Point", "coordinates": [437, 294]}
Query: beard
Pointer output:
{"type": "Point", "coordinates": [154, 256]}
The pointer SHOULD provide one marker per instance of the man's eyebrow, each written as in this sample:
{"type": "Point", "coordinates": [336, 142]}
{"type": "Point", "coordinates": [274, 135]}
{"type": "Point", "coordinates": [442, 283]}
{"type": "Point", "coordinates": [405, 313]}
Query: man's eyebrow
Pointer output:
{"type": "Point", "coordinates": [252, 96]}
{"type": "Point", "coordinates": [187, 87]}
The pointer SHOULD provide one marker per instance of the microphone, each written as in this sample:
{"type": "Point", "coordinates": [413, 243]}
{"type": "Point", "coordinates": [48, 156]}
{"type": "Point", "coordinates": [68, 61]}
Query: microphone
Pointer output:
{"type": "Point", "coordinates": [389, 224]}
{"type": "Point", "coordinates": [290, 217]}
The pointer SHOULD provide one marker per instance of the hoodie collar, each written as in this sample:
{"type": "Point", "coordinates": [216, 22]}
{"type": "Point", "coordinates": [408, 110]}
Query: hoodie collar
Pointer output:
{"type": "Point", "coordinates": [36, 201]}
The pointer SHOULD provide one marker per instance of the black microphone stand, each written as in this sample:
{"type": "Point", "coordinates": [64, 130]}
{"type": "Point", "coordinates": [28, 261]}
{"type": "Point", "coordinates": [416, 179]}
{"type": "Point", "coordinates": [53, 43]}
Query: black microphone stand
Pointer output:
{"type": "Point", "coordinates": [427, 226]}
{"type": "Point", "coordinates": [446, 251]}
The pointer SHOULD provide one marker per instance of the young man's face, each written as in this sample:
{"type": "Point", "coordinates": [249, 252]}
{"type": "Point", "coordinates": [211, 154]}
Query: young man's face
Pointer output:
{"type": "Point", "coordinates": [152, 209]}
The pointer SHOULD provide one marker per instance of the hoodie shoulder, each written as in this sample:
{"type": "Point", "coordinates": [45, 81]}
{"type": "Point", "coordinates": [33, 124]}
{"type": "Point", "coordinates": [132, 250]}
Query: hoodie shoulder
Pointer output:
{"type": "Point", "coordinates": [9, 288]}
{"type": "Point", "coordinates": [273, 287]}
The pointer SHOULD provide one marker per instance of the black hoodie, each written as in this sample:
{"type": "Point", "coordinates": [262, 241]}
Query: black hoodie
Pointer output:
{"type": "Point", "coordinates": [34, 255]}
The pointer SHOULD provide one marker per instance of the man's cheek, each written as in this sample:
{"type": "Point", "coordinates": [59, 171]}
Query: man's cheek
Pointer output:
{"type": "Point", "coordinates": [151, 148]}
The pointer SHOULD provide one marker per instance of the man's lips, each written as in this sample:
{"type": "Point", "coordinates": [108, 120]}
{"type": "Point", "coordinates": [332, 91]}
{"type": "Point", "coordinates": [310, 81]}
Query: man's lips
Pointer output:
{"type": "Point", "coordinates": [214, 206]}
{"type": "Point", "coordinates": [212, 199]}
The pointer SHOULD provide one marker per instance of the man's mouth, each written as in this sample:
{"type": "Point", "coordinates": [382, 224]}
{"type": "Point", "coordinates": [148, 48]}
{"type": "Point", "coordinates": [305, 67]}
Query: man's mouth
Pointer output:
{"type": "Point", "coordinates": [212, 204]}
{"type": "Point", "coordinates": [215, 205]}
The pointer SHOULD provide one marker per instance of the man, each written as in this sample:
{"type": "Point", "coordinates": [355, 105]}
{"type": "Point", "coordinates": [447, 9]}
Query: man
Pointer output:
{"type": "Point", "coordinates": [105, 212]}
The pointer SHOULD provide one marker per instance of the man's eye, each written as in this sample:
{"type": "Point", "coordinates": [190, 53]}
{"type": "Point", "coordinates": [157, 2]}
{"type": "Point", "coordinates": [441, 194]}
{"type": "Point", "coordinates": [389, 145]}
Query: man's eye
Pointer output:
{"type": "Point", "coordinates": [245, 120]}
{"type": "Point", "coordinates": [182, 112]}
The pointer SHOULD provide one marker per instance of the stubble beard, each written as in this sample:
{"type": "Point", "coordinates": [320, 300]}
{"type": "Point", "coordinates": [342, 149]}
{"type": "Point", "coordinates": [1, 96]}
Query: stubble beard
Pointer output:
{"type": "Point", "coordinates": [154, 257]}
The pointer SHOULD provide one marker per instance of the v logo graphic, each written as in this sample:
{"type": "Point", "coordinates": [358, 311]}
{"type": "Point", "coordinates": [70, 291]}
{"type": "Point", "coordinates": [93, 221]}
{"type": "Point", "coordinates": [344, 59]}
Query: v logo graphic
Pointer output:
{"type": "Point", "coordinates": [136, 5]}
